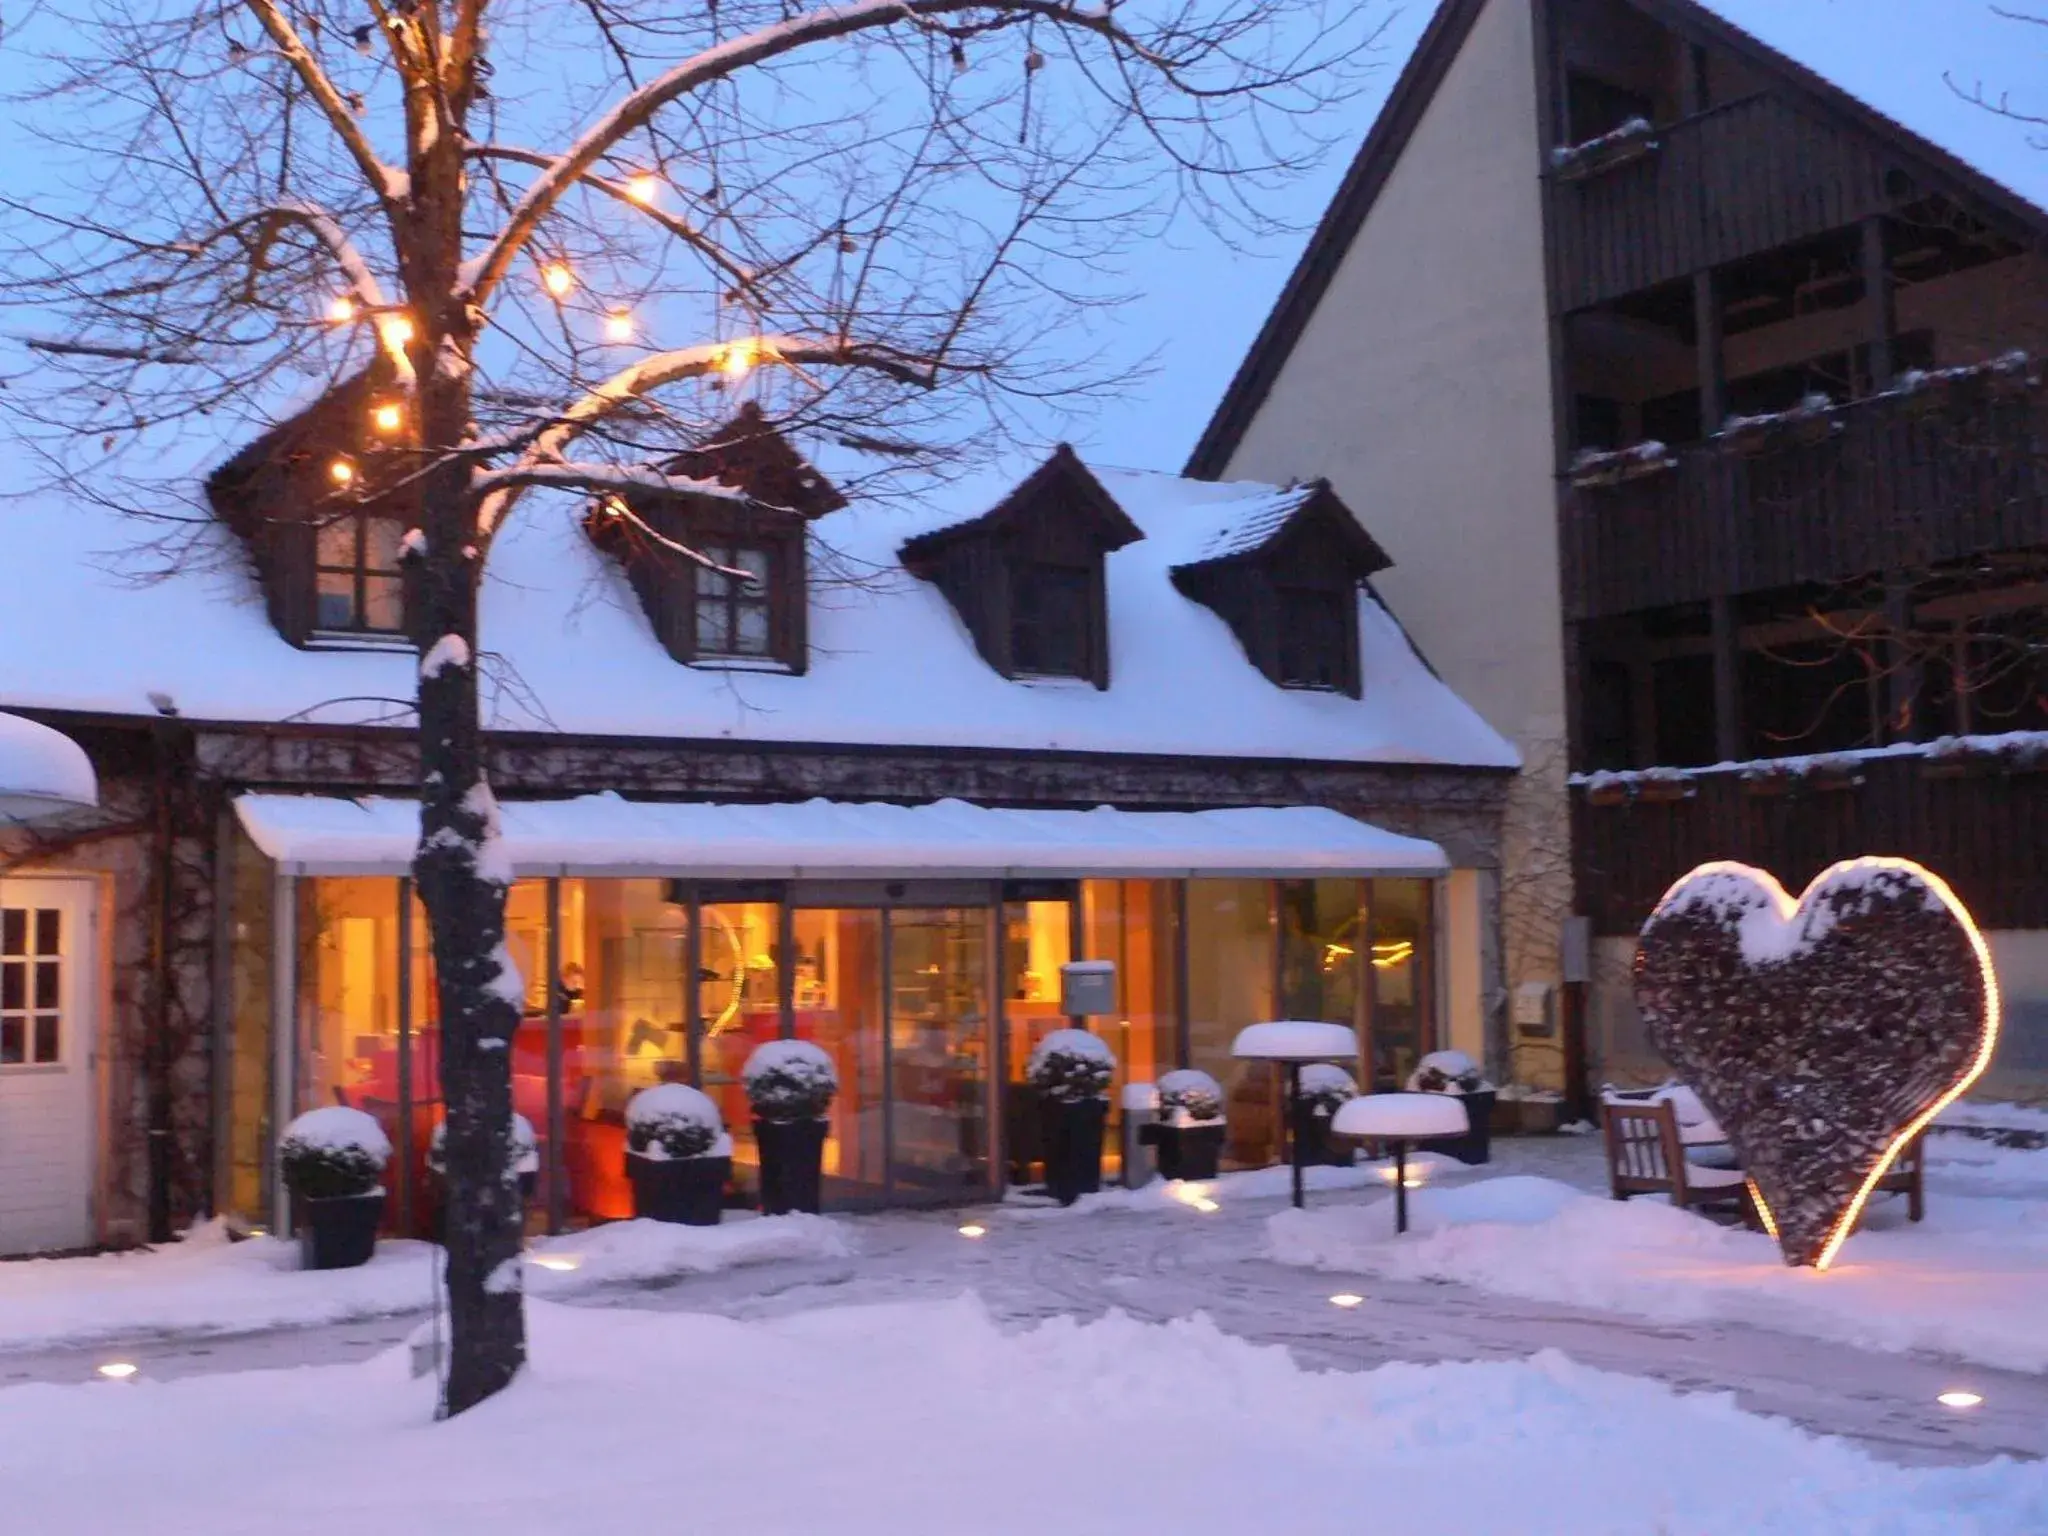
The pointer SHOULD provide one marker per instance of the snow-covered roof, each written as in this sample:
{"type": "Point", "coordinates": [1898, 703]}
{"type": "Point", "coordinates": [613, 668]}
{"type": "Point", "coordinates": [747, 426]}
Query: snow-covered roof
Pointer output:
{"type": "Point", "coordinates": [606, 834]}
{"type": "Point", "coordinates": [1241, 523]}
{"type": "Point", "coordinates": [1919, 63]}
{"type": "Point", "coordinates": [41, 771]}
{"type": "Point", "coordinates": [567, 646]}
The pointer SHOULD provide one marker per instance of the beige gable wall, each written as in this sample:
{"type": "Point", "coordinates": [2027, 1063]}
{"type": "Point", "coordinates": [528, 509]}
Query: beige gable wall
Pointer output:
{"type": "Point", "coordinates": [1422, 389]}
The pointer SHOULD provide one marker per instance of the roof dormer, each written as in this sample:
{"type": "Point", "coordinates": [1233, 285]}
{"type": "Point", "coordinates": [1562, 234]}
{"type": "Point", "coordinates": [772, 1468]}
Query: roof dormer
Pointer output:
{"type": "Point", "coordinates": [304, 498]}
{"type": "Point", "coordinates": [1027, 576]}
{"type": "Point", "coordinates": [724, 578]}
{"type": "Point", "coordinates": [1283, 571]}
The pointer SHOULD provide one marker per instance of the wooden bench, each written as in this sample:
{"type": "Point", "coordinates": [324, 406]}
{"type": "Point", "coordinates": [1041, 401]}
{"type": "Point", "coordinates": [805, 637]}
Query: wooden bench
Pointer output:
{"type": "Point", "coordinates": [1645, 1156]}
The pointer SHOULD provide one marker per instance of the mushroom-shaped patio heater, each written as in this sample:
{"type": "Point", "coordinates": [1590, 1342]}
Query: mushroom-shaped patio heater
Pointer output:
{"type": "Point", "coordinates": [42, 772]}
{"type": "Point", "coordinates": [1398, 1119]}
{"type": "Point", "coordinates": [1294, 1043]}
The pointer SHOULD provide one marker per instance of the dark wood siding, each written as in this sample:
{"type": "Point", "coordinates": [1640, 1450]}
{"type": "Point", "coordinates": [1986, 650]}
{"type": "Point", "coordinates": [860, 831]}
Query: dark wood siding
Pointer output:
{"type": "Point", "coordinates": [1980, 832]}
{"type": "Point", "coordinates": [1904, 481]}
{"type": "Point", "coordinates": [1730, 182]}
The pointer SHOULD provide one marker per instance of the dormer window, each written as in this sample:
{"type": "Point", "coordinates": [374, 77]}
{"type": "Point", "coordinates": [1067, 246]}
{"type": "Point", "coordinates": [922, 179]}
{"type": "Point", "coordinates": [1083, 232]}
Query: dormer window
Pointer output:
{"type": "Point", "coordinates": [1027, 578]}
{"type": "Point", "coordinates": [358, 588]}
{"type": "Point", "coordinates": [1283, 569]}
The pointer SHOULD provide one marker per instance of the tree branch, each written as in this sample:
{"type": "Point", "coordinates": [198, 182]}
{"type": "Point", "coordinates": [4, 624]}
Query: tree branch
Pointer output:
{"type": "Point", "coordinates": [387, 183]}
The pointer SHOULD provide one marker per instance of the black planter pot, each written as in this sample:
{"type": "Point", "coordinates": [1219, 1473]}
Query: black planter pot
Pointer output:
{"type": "Point", "coordinates": [1186, 1151]}
{"type": "Point", "coordinates": [1476, 1145]}
{"type": "Point", "coordinates": [339, 1232]}
{"type": "Point", "coordinates": [1073, 1148]}
{"type": "Point", "coordinates": [792, 1164]}
{"type": "Point", "coordinates": [1319, 1149]}
{"type": "Point", "coordinates": [689, 1191]}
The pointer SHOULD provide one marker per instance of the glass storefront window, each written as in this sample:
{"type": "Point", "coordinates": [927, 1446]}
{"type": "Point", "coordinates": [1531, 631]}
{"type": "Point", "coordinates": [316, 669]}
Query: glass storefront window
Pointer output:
{"type": "Point", "coordinates": [1403, 1004]}
{"type": "Point", "coordinates": [938, 1048]}
{"type": "Point", "coordinates": [838, 995]}
{"type": "Point", "coordinates": [1037, 941]}
{"type": "Point", "coordinates": [246, 1139]}
{"type": "Point", "coordinates": [625, 1026]}
{"type": "Point", "coordinates": [1322, 929]}
{"type": "Point", "coordinates": [740, 1000]}
{"type": "Point", "coordinates": [1230, 985]}
{"type": "Point", "coordinates": [1131, 922]}
{"type": "Point", "coordinates": [348, 937]}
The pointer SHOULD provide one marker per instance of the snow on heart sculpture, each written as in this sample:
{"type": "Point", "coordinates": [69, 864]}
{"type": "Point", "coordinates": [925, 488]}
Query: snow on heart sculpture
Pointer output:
{"type": "Point", "coordinates": [1823, 1034]}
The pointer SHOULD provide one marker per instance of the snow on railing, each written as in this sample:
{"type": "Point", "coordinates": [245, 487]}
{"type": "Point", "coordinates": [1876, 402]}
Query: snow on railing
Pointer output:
{"type": "Point", "coordinates": [1634, 137]}
{"type": "Point", "coordinates": [1611, 466]}
{"type": "Point", "coordinates": [2007, 752]}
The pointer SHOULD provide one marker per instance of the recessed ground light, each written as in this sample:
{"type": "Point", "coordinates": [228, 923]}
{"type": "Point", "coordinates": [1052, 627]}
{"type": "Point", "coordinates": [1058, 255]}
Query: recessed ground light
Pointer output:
{"type": "Point", "coordinates": [1205, 1205]}
{"type": "Point", "coordinates": [974, 1229]}
{"type": "Point", "coordinates": [562, 1262]}
{"type": "Point", "coordinates": [119, 1370]}
{"type": "Point", "coordinates": [1960, 1399]}
{"type": "Point", "coordinates": [1345, 1299]}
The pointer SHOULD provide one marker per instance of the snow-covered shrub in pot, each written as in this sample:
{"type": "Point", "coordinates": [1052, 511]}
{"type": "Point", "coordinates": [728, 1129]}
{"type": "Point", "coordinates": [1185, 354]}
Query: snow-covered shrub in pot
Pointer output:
{"type": "Point", "coordinates": [1454, 1072]}
{"type": "Point", "coordinates": [678, 1156]}
{"type": "Point", "coordinates": [1071, 1071]}
{"type": "Point", "coordinates": [790, 1084]}
{"type": "Point", "coordinates": [1323, 1086]}
{"type": "Point", "coordinates": [1190, 1131]}
{"type": "Point", "coordinates": [333, 1161]}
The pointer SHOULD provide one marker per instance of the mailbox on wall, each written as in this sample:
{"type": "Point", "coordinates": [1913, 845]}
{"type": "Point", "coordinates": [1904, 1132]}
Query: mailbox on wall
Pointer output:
{"type": "Point", "coordinates": [1088, 987]}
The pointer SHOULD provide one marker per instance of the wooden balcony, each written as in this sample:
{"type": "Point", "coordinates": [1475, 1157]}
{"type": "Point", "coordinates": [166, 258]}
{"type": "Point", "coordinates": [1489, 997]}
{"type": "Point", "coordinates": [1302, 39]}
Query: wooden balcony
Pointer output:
{"type": "Point", "coordinates": [1739, 179]}
{"type": "Point", "coordinates": [1945, 472]}
{"type": "Point", "coordinates": [1978, 827]}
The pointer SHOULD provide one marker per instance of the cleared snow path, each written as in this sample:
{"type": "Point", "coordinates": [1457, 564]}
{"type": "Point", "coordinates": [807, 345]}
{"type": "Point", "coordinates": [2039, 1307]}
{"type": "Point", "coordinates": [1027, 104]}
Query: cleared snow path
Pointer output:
{"type": "Point", "coordinates": [1155, 1260]}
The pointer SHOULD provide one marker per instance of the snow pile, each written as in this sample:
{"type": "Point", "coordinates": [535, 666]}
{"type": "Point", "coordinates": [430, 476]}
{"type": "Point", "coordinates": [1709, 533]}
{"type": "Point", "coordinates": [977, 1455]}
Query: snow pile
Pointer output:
{"type": "Point", "coordinates": [42, 769]}
{"type": "Point", "coordinates": [1274, 1183]}
{"type": "Point", "coordinates": [1174, 1427]}
{"type": "Point", "coordinates": [1965, 1282]}
{"type": "Point", "coordinates": [1295, 1040]}
{"type": "Point", "coordinates": [208, 1285]}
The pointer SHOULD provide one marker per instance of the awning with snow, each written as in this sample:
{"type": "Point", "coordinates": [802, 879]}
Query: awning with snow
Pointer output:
{"type": "Point", "coordinates": [828, 839]}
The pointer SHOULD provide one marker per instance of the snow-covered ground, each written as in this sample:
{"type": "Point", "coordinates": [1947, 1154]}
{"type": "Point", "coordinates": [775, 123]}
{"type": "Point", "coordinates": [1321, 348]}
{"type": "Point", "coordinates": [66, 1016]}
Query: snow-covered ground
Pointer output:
{"type": "Point", "coordinates": [931, 1418]}
{"type": "Point", "coordinates": [1966, 1282]}
{"type": "Point", "coordinates": [207, 1285]}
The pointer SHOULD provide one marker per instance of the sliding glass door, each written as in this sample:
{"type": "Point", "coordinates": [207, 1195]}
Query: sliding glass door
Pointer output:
{"type": "Point", "coordinates": [938, 1053]}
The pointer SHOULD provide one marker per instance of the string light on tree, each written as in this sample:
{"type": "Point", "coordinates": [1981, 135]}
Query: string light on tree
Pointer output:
{"type": "Point", "coordinates": [556, 277]}
{"type": "Point", "coordinates": [644, 188]}
{"type": "Point", "coordinates": [738, 359]}
{"type": "Point", "coordinates": [342, 310]}
{"type": "Point", "coordinates": [387, 417]}
{"type": "Point", "coordinates": [618, 325]}
{"type": "Point", "coordinates": [396, 331]}
{"type": "Point", "coordinates": [341, 472]}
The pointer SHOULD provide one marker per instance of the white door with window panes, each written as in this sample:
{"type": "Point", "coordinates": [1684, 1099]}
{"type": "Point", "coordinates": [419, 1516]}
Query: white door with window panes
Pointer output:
{"type": "Point", "coordinates": [47, 1006]}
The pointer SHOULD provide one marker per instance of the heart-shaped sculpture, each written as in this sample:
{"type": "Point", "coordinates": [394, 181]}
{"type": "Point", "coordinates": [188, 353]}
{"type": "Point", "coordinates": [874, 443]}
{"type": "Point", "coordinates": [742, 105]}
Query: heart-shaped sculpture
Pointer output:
{"type": "Point", "coordinates": [1823, 1034]}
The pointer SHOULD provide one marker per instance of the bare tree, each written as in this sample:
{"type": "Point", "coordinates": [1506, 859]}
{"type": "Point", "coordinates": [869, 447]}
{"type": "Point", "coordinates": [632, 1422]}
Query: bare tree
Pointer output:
{"type": "Point", "coordinates": [559, 235]}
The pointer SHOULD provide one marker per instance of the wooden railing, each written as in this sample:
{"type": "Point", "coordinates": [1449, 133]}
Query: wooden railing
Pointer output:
{"type": "Point", "coordinates": [1896, 481]}
{"type": "Point", "coordinates": [1731, 182]}
{"type": "Point", "coordinates": [1979, 830]}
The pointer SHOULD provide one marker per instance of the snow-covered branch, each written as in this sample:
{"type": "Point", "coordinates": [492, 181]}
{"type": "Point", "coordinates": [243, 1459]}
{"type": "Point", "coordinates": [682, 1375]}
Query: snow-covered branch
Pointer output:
{"type": "Point", "coordinates": [385, 182]}
{"type": "Point", "coordinates": [565, 476]}
{"type": "Point", "coordinates": [635, 110]}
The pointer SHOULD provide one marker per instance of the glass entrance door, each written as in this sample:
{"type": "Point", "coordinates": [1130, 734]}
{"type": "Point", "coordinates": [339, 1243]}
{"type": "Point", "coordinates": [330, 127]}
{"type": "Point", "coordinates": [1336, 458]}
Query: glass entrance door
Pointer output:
{"type": "Point", "coordinates": [938, 1054]}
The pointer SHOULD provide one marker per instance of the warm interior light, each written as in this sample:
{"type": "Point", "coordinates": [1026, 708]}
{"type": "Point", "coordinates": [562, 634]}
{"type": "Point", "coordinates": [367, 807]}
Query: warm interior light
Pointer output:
{"type": "Point", "coordinates": [1959, 1399]}
{"type": "Point", "coordinates": [556, 277]}
{"type": "Point", "coordinates": [974, 1229]}
{"type": "Point", "coordinates": [1345, 1299]}
{"type": "Point", "coordinates": [387, 418]}
{"type": "Point", "coordinates": [618, 326]}
{"type": "Point", "coordinates": [561, 1263]}
{"type": "Point", "coordinates": [342, 310]}
{"type": "Point", "coordinates": [119, 1370]}
{"type": "Point", "coordinates": [341, 472]}
{"type": "Point", "coordinates": [644, 188]}
{"type": "Point", "coordinates": [1392, 952]}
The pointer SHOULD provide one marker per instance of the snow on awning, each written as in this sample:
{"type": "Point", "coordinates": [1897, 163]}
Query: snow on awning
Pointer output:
{"type": "Point", "coordinates": [827, 839]}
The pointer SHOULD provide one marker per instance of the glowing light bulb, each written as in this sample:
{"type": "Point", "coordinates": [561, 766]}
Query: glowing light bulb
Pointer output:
{"type": "Point", "coordinates": [556, 277]}
{"type": "Point", "coordinates": [737, 359]}
{"type": "Point", "coordinates": [643, 188]}
{"type": "Point", "coordinates": [1345, 1299]}
{"type": "Point", "coordinates": [119, 1370]}
{"type": "Point", "coordinates": [1959, 1399]}
{"type": "Point", "coordinates": [387, 417]}
{"type": "Point", "coordinates": [341, 472]}
{"type": "Point", "coordinates": [396, 330]}
{"type": "Point", "coordinates": [618, 326]}
{"type": "Point", "coordinates": [974, 1229]}
{"type": "Point", "coordinates": [561, 1263]}
{"type": "Point", "coordinates": [342, 310]}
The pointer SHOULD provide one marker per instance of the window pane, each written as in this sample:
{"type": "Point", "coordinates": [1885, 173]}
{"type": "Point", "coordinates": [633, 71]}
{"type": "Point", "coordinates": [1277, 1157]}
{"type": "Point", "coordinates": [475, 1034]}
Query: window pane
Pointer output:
{"type": "Point", "coordinates": [13, 984]}
{"type": "Point", "coordinates": [46, 984]}
{"type": "Point", "coordinates": [14, 931]}
{"type": "Point", "coordinates": [1321, 932]}
{"type": "Point", "coordinates": [1314, 638]}
{"type": "Point", "coordinates": [13, 1029]}
{"type": "Point", "coordinates": [46, 1038]}
{"type": "Point", "coordinates": [1402, 1027]}
{"type": "Point", "coordinates": [752, 637]}
{"type": "Point", "coordinates": [337, 542]}
{"type": "Point", "coordinates": [384, 602]}
{"type": "Point", "coordinates": [381, 539]}
{"type": "Point", "coordinates": [755, 563]}
{"type": "Point", "coordinates": [714, 626]}
{"type": "Point", "coordinates": [838, 986]}
{"type": "Point", "coordinates": [1230, 985]}
{"type": "Point", "coordinates": [1050, 620]}
{"type": "Point", "coordinates": [49, 931]}
{"type": "Point", "coordinates": [1131, 922]}
{"type": "Point", "coordinates": [335, 607]}
{"type": "Point", "coordinates": [710, 582]}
